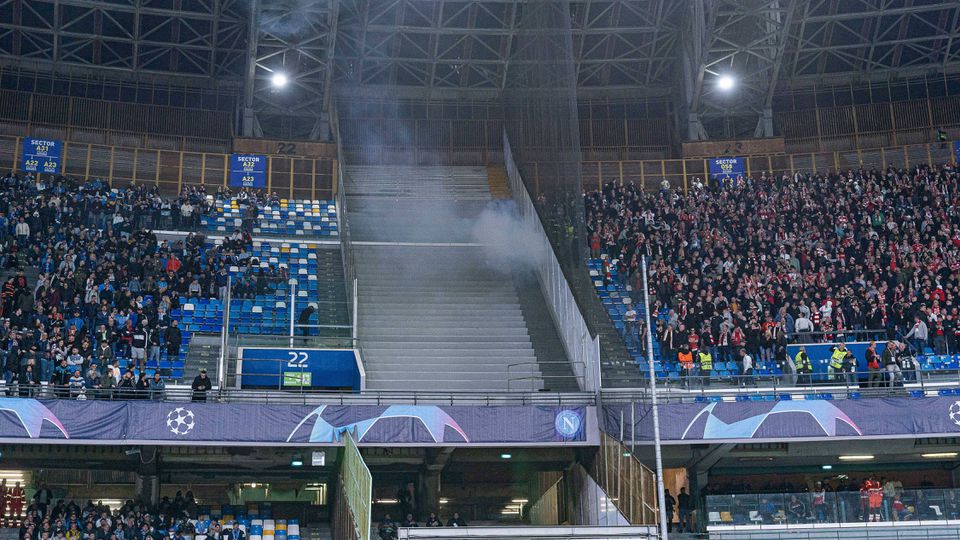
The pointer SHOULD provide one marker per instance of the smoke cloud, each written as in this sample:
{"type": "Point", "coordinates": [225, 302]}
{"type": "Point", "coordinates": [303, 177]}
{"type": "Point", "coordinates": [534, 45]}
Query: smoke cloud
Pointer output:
{"type": "Point", "coordinates": [506, 241]}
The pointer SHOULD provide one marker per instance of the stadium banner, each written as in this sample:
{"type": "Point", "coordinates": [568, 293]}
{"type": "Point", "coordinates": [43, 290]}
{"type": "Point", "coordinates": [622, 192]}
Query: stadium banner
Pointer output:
{"type": "Point", "coordinates": [795, 419]}
{"type": "Point", "coordinates": [248, 171]}
{"type": "Point", "coordinates": [726, 167]}
{"type": "Point", "coordinates": [41, 155]}
{"type": "Point", "coordinates": [956, 151]}
{"type": "Point", "coordinates": [92, 421]}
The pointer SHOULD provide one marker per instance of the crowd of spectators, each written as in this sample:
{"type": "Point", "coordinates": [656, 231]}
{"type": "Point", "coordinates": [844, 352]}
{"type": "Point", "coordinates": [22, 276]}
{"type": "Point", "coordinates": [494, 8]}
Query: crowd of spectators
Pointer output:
{"type": "Point", "coordinates": [833, 500]}
{"type": "Point", "coordinates": [46, 519]}
{"type": "Point", "coordinates": [107, 285]}
{"type": "Point", "coordinates": [741, 267]}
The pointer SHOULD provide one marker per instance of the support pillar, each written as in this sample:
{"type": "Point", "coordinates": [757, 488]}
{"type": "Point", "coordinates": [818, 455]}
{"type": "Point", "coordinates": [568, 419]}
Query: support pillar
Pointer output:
{"type": "Point", "coordinates": [147, 484]}
{"type": "Point", "coordinates": [430, 482]}
{"type": "Point", "coordinates": [248, 122]}
{"type": "Point", "coordinates": [430, 493]}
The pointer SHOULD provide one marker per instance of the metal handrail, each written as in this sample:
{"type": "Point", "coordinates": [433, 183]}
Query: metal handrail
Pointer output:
{"type": "Point", "coordinates": [881, 332]}
{"type": "Point", "coordinates": [181, 393]}
{"type": "Point", "coordinates": [574, 376]}
{"type": "Point", "coordinates": [851, 385]}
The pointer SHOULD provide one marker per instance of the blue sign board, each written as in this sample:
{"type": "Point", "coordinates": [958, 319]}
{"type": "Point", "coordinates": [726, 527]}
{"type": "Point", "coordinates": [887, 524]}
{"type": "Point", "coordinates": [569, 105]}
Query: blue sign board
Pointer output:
{"type": "Point", "coordinates": [248, 170]}
{"type": "Point", "coordinates": [41, 155]}
{"type": "Point", "coordinates": [290, 369]}
{"type": "Point", "coordinates": [725, 167]}
{"type": "Point", "coordinates": [956, 151]}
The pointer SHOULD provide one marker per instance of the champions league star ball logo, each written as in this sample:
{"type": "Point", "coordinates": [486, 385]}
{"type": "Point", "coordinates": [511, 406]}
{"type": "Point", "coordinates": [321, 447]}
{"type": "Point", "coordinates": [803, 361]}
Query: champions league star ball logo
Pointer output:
{"type": "Point", "coordinates": [955, 412]}
{"type": "Point", "coordinates": [180, 421]}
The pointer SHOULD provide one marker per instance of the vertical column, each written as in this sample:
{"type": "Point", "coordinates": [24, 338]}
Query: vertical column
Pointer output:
{"type": "Point", "coordinates": [147, 484]}
{"type": "Point", "coordinates": [248, 121]}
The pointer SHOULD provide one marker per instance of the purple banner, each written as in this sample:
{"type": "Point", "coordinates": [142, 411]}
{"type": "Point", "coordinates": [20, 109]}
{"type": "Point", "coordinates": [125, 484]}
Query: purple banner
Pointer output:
{"type": "Point", "coordinates": [744, 421]}
{"type": "Point", "coordinates": [89, 421]}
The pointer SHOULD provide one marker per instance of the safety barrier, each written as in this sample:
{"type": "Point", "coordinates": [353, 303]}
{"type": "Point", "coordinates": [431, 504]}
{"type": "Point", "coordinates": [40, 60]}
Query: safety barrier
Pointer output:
{"type": "Point", "coordinates": [357, 485]}
{"type": "Point", "coordinates": [582, 350]}
{"type": "Point", "coordinates": [680, 173]}
{"type": "Point", "coordinates": [290, 176]}
{"type": "Point", "coordinates": [78, 119]}
{"type": "Point", "coordinates": [628, 483]}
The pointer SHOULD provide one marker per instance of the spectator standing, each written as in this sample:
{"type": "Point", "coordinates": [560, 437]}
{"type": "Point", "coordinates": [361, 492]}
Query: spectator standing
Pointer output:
{"type": "Point", "coordinates": [685, 510]}
{"type": "Point", "coordinates": [669, 503]}
{"type": "Point", "coordinates": [889, 360]}
{"type": "Point", "coordinates": [173, 339]}
{"type": "Point", "coordinates": [138, 345]}
{"type": "Point", "coordinates": [630, 327]}
{"type": "Point", "coordinates": [304, 320]}
{"type": "Point", "coordinates": [875, 378]}
{"type": "Point", "coordinates": [201, 384]}
{"type": "Point", "coordinates": [918, 335]}
{"type": "Point", "coordinates": [746, 369]}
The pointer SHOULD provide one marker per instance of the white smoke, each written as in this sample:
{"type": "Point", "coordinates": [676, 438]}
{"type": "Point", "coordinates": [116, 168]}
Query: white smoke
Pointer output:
{"type": "Point", "coordinates": [506, 241]}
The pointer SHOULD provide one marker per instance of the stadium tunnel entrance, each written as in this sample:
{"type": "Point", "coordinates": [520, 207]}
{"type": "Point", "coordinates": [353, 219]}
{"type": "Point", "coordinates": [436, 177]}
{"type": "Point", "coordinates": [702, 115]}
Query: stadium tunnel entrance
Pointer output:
{"type": "Point", "coordinates": [484, 485]}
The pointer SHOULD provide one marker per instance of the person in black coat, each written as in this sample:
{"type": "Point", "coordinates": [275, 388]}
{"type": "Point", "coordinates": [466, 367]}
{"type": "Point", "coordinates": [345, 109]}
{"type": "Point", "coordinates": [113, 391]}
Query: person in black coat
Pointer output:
{"type": "Point", "coordinates": [201, 384]}
{"type": "Point", "coordinates": [304, 319]}
{"type": "Point", "coordinates": [173, 339]}
{"type": "Point", "coordinates": [29, 381]}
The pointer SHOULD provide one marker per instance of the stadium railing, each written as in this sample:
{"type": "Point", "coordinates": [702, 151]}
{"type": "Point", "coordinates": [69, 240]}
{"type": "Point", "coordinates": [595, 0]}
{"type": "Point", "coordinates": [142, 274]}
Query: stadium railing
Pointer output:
{"type": "Point", "coordinates": [292, 177]}
{"type": "Point", "coordinates": [837, 507]}
{"type": "Point", "coordinates": [181, 393]}
{"type": "Point", "coordinates": [849, 385]}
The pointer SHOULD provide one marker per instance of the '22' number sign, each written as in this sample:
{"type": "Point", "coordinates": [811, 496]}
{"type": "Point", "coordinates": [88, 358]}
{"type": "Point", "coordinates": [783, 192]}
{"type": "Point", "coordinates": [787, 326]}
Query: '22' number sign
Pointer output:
{"type": "Point", "coordinates": [297, 359]}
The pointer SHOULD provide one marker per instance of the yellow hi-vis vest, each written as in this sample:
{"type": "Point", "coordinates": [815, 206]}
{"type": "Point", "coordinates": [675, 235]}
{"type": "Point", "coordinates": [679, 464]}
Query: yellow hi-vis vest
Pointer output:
{"type": "Point", "coordinates": [836, 359]}
{"type": "Point", "coordinates": [802, 362]}
{"type": "Point", "coordinates": [706, 361]}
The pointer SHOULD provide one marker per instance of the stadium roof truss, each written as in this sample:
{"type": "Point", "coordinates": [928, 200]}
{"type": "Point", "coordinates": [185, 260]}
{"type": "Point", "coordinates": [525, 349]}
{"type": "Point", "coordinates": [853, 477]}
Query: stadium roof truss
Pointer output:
{"type": "Point", "coordinates": [196, 41]}
{"type": "Point", "coordinates": [451, 49]}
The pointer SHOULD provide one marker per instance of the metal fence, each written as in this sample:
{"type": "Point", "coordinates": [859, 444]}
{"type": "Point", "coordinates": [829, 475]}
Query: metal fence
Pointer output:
{"type": "Point", "coordinates": [628, 483]}
{"type": "Point", "coordinates": [582, 349]}
{"type": "Point", "coordinates": [357, 486]}
{"type": "Point", "coordinates": [171, 170]}
{"type": "Point", "coordinates": [914, 383]}
{"type": "Point", "coordinates": [679, 173]}
{"type": "Point", "coordinates": [831, 507]}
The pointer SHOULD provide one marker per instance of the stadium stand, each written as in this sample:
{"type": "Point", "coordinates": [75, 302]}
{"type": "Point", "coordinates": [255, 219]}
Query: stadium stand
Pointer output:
{"type": "Point", "coordinates": [772, 257]}
{"type": "Point", "coordinates": [109, 295]}
{"type": "Point", "coordinates": [180, 516]}
{"type": "Point", "coordinates": [285, 218]}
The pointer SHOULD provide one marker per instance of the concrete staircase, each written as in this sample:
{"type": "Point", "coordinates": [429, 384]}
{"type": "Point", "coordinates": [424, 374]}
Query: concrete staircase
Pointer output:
{"type": "Point", "coordinates": [497, 179]}
{"type": "Point", "coordinates": [415, 204]}
{"type": "Point", "coordinates": [442, 314]}
{"type": "Point", "coordinates": [436, 318]}
{"type": "Point", "coordinates": [202, 353]}
{"type": "Point", "coordinates": [551, 358]}
{"type": "Point", "coordinates": [317, 531]}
